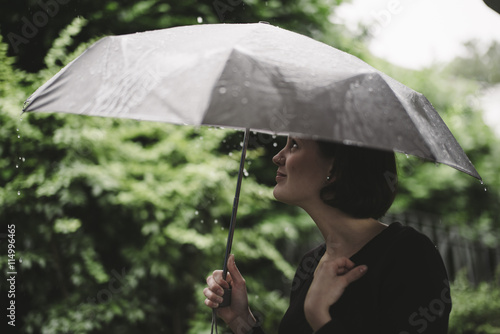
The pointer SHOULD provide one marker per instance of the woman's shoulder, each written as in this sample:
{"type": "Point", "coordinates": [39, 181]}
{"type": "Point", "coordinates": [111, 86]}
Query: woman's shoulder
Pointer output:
{"type": "Point", "coordinates": [408, 248]}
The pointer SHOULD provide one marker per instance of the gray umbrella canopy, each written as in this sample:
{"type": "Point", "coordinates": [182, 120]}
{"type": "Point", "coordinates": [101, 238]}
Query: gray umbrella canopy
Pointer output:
{"type": "Point", "coordinates": [250, 76]}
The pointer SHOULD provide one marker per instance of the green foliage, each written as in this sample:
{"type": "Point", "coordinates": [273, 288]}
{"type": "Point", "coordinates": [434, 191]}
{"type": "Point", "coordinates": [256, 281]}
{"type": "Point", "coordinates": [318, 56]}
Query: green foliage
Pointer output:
{"type": "Point", "coordinates": [475, 309]}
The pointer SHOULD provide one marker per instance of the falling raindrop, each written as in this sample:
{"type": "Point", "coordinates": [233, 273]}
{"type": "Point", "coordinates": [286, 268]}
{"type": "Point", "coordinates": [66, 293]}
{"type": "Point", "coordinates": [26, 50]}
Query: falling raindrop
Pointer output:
{"type": "Point", "coordinates": [222, 228]}
{"type": "Point", "coordinates": [18, 136]}
{"type": "Point", "coordinates": [222, 90]}
{"type": "Point", "coordinates": [481, 181]}
{"type": "Point", "coordinates": [275, 144]}
{"type": "Point", "coordinates": [407, 156]}
{"type": "Point", "coordinates": [216, 221]}
{"type": "Point", "coordinates": [196, 212]}
{"type": "Point", "coordinates": [241, 144]}
{"type": "Point", "coordinates": [202, 221]}
{"type": "Point", "coordinates": [20, 260]}
{"type": "Point", "coordinates": [484, 188]}
{"type": "Point", "coordinates": [17, 166]}
{"type": "Point", "coordinates": [18, 193]}
{"type": "Point", "coordinates": [245, 172]}
{"type": "Point", "coordinates": [199, 19]}
{"type": "Point", "coordinates": [17, 129]}
{"type": "Point", "coordinates": [23, 159]}
{"type": "Point", "coordinates": [230, 154]}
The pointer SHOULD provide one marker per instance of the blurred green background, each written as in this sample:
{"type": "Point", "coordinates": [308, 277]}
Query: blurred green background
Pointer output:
{"type": "Point", "coordinates": [118, 222]}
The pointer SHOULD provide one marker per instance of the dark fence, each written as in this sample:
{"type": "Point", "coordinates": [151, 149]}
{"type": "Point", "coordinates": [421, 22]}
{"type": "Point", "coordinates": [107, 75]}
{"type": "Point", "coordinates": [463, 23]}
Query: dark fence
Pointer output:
{"type": "Point", "coordinates": [481, 262]}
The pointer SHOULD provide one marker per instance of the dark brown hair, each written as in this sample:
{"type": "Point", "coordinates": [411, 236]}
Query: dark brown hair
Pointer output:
{"type": "Point", "coordinates": [364, 180]}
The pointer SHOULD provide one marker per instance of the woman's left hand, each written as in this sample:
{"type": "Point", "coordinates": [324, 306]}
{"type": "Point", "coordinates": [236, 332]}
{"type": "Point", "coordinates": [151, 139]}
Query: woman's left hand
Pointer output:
{"type": "Point", "coordinates": [330, 280]}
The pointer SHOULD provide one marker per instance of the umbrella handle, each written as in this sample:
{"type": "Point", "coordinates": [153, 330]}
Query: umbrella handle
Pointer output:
{"type": "Point", "coordinates": [232, 224]}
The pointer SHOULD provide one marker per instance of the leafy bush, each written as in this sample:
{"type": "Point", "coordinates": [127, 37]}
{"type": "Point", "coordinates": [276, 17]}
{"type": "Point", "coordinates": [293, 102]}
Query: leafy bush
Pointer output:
{"type": "Point", "coordinates": [476, 310]}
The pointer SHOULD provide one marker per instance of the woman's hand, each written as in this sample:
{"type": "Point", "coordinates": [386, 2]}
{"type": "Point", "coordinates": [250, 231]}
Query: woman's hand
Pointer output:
{"type": "Point", "coordinates": [238, 315]}
{"type": "Point", "coordinates": [330, 280]}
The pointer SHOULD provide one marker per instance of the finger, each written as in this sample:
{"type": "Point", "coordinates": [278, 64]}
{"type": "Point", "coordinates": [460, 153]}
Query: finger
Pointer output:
{"type": "Point", "coordinates": [344, 263]}
{"type": "Point", "coordinates": [211, 296]}
{"type": "Point", "coordinates": [217, 275]}
{"type": "Point", "coordinates": [214, 286]}
{"type": "Point", "coordinates": [355, 274]}
{"type": "Point", "coordinates": [211, 304]}
{"type": "Point", "coordinates": [236, 276]}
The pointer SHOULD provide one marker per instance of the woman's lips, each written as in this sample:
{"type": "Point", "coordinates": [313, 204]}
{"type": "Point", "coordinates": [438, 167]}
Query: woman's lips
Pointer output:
{"type": "Point", "coordinates": [280, 176]}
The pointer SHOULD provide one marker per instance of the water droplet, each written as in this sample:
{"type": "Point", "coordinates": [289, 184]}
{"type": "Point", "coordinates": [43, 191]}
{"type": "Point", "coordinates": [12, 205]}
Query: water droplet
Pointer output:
{"type": "Point", "coordinates": [23, 159]}
{"type": "Point", "coordinates": [17, 166]}
{"type": "Point", "coordinates": [199, 19]}
{"type": "Point", "coordinates": [407, 156]}
{"type": "Point", "coordinates": [222, 228]}
{"type": "Point", "coordinates": [222, 90]}
{"type": "Point", "coordinates": [18, 136]}
{"type": "Point", "coordinates": [274, 136]}
{"type": "Point", "coordinates": [230, 154]}
{"type": "Point", "coordinates": [241, 144]}
{"type": "Point", "coordinates": [202, 221]}
{"type": "Point", "coordinates": [245, 172]}
{"type": "Point", "coordinates": [216, 221]}
{"type": "Point", "coordinates": [275, 144]}
{"type": "Point", "coordinates": [481, 181]}
{"type": "Point", "coordinates": [17, 129]}
{"type": "Point", "coordinates": [20, 158]}
{"type": "Point", "coordinates": [20, 260]}
{"type": "Point", "coordinates": [484, 188]}
{"type": "Point", "coordinates": [196, 212]}
{"type": "Point", "coordinates": [18, 193]}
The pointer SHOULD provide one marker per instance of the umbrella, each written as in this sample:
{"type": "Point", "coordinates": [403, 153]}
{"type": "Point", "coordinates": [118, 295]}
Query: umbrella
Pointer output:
{"type": "Point", "coordinates": [250, 76]}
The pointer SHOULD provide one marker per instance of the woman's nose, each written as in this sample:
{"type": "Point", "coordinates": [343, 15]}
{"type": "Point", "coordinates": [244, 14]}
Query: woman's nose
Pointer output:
{"type": "Point", "coordinates": [278, 159]}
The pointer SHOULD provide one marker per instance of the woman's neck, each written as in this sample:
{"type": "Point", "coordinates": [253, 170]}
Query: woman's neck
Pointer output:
{"type": "Point", "coordinates": [343, 235]}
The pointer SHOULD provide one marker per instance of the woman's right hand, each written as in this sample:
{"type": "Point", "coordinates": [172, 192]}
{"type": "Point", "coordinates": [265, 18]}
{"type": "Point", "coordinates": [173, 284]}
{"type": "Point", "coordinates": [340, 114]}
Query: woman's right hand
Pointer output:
{"type": "Point", "coordinates": [238, 315]}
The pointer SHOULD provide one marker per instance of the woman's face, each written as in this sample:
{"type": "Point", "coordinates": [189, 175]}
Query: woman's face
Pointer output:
{"type": "Point", "coordinates": [302, 172]}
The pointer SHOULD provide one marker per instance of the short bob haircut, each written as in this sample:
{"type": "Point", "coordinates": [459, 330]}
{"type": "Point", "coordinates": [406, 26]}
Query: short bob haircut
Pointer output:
{"type": "Point", "coordinates": [364, 180]}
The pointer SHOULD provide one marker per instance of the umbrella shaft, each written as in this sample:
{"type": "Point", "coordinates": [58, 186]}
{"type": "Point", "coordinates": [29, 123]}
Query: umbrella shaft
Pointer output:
{"type": "Point", "coordinates": [232, 224]}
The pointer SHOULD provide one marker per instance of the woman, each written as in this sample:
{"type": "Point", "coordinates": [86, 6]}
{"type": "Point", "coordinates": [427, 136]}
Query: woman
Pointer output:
{"type": "Point", "coordinates": [367, 277]}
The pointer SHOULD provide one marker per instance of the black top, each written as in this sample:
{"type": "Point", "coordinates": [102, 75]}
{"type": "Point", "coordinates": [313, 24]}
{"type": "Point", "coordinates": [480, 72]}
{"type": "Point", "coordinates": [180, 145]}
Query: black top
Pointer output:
{"type": "Point", "coordinates": [405, 290]}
